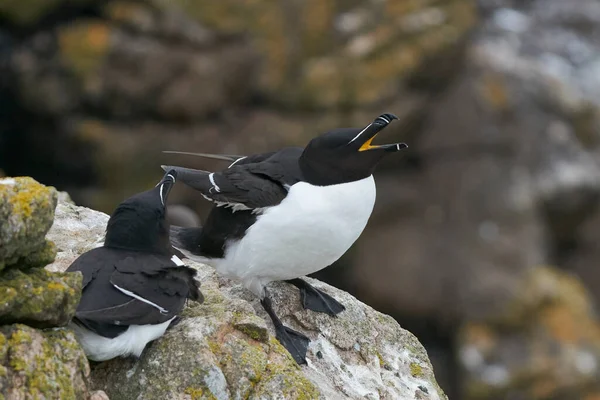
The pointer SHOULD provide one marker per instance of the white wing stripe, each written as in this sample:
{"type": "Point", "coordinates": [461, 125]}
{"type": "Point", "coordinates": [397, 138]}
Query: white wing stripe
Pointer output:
{"type": "Point", "coordinates": [162, 197]}
{"type": "Point", "coordinates": [212, 180]}
{"type": "Point", "coordinates": [135, 296]}
{"type": "Point", "coordinates": [233, 163]}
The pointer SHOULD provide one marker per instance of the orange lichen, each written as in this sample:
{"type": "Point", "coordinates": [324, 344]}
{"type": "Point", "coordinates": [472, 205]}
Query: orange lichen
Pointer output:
{"type": "Point", "coordinates": [494, 92]}
{"type": "Point", "coordinates": [543, 388]}
{"type": "Point", "coordinates": [561, 323]}
{"type": "Point", "coordinates": [84, 46]}
{"type": "Point", "coordinates": [481, 336]}
{"type": "Point", "coordinates": [123, 10]}
{"type": "Point", "coordinates": [91, 130]}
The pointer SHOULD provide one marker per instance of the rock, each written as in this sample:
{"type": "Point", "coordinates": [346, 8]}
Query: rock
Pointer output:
{"type": "Point", "coordinates": [546, 345]}
{"type": "Point", "coordinates": [39, 298]}
{"type": "Point", "coordinates": [41, 364]}
{"type": "Point", "coordinates": [583, 261]}
{"type": "Point", "coordinates": [76, 230]}
{"type": "Point", "coordinates": [321, 54]}
{"type": "Point", "coordinates": [26, 214]}
{"type": "Point", "coordinates": [98, 395]}
{"type": "Point", "coordinates": [188, 72]}
{"type": "Point", "coordinates": [223, 348]}
{"type": "Point", "coordinates": [27, 14]}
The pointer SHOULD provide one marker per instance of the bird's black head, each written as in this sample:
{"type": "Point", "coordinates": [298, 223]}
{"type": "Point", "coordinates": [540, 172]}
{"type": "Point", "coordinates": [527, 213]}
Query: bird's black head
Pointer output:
{"type": "Point", "coordinates": [139, 223]}
{"type": "Point", "coordinates": [346, 155]}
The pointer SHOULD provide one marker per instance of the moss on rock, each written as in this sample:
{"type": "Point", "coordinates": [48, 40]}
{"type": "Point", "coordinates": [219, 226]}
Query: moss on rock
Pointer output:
{"type": "Point", "coordinates": [41, 365]}
{"type": "Point", "coordinates": [38, 298]}
{"type": "Point", "coordinates": [27, 212]}
{"type": "Point", "coordinates": [253, 326]}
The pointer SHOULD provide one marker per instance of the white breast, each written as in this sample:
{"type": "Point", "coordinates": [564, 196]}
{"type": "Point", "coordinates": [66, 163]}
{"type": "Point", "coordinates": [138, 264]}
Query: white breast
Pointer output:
{"type": "Point", "coordinates": [311, 228]}
{"type": "Point", "coordinates": [130, 343]}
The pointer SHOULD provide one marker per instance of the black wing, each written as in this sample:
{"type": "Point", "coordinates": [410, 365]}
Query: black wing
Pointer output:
{"type": "Point", "coordinates": [249, 183]}
{"type": "Point", "coordinates": [233, 159]}
{"type": "Point", "coordinates": [127, 288]}
{"type": "Point", "coordinates": [89, 264]}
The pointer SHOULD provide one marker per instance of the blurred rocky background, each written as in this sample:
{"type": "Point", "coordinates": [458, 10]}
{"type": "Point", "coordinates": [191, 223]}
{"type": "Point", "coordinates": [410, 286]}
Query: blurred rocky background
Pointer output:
{"type": "Point", "coordinates": [484, 242]}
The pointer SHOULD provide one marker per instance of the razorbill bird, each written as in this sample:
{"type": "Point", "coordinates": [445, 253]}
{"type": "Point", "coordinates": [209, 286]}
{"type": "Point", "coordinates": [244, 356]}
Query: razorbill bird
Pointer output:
{"type": "Point", "coordinates": [285, 214]}
{"type": "Point", "coordinates": [133, 286]}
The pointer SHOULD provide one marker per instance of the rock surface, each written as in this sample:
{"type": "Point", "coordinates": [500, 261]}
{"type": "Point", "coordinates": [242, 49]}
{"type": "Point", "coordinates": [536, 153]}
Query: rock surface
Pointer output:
{"type": "Point", "coordinates": [26, 214]}
{"type": "Point", "coordinates": [224, 349]}
{"type": "Point", "coordinates": [546, 344]}
{"type": "Point", "coordinates": [41, 364]}
{"type": "Point", "coordinates": [38, 298]}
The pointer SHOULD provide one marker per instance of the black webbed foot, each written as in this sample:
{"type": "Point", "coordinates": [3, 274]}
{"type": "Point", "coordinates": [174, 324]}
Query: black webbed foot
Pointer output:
{"type": "Point", "coordinates": [315, 299]}
{"type": "Point", "coordinates": [294, 342]}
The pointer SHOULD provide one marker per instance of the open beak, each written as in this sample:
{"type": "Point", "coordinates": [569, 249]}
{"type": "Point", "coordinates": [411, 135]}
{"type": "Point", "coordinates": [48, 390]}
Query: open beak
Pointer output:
{"type": "Point", "coordinates": [368, 134]}
{"type": "Point", "coordinates": [166, 184]}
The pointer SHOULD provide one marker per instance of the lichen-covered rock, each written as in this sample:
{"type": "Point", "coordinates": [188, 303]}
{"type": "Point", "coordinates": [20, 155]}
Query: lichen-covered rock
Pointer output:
{"type": "Point", "coordinates": [322, 53]}
{"type": "Point", "coordinates": [224, 348]}
{"type": "Point", "coordinates": [26, 214]}
{"type": "Point", "coordinates": [38, 298]}
{"type": "Point", "coordinates": [41, 364]}
{"type": "Point", "coordinates": [546, 345]}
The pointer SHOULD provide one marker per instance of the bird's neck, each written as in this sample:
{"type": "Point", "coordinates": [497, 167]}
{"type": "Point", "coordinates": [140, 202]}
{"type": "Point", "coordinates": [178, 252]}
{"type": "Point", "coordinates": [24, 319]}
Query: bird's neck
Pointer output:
{"type": "Point", "coordinates": [148, 242]}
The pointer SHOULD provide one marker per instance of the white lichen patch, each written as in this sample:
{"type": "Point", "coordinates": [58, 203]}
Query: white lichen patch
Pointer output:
{"type": "Point", "coordinates": [216, 383]}
{"type": "Point", "coordinates": [7, 181]}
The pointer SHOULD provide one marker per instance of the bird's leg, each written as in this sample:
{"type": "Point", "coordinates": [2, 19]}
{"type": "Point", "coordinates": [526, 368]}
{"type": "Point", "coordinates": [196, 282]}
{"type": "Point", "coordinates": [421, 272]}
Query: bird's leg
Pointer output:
{"type": "Point", "coordinates": [315, 299]}
{"type": "Point", "coordinates": [295, 342]}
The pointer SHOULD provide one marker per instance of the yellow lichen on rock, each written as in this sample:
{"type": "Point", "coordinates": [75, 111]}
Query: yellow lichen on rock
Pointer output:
{"type": "Point", "coordinates": [38, 298]}
{"type": "Point", "coordinates": [27, 210]}
{"type": "Point", "coordinates": [41, 365]}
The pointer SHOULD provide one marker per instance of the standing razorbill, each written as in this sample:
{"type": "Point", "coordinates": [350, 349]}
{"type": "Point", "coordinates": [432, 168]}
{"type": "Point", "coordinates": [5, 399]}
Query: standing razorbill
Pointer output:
{"type": "Point", "coordinates": [282, 215]}
{"type": "Point", "coordinates": [133, 286]}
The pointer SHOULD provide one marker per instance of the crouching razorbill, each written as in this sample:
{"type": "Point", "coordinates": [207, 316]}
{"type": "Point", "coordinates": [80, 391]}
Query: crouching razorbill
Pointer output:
{"type": "Point", "coordinates": [133, 286]}
{"type": "Point", "coordinates": [282, 215]}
